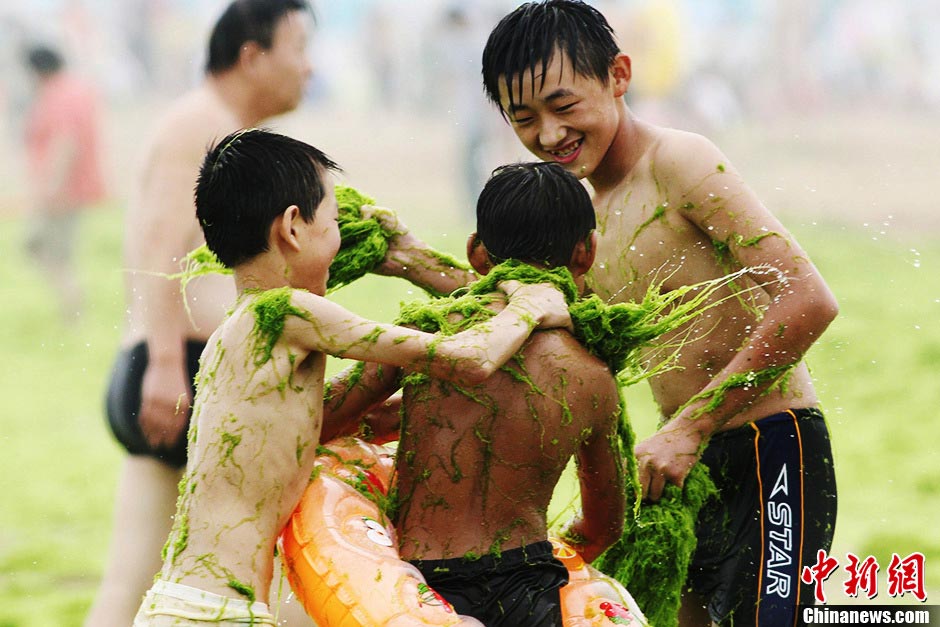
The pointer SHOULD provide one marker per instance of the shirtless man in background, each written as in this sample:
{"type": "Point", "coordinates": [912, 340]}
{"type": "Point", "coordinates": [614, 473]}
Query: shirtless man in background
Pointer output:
{"type": "Point", "coordinates": [257, 67]}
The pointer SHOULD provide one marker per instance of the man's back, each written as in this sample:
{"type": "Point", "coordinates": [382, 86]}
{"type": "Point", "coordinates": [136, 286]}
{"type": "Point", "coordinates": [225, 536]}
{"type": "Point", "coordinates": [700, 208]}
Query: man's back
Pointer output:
{"type": "Point", "coordinates": [477, 466]}
{"type": "Point", "coordinates": [163, 203]}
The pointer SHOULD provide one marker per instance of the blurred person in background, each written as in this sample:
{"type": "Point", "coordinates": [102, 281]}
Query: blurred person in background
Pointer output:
{"type": "Point", "coordinates": [62, 146]}
{"type": "Point", "coordinates": [257, 67]}
{"type": "Point", "coordinates": [459, 41]}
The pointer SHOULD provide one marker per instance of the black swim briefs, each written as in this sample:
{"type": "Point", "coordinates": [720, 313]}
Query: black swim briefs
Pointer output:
{"type": "Point", "coordinates": [776, 508]}
{"type": "Point", "coordinates": [124, 397]}
{"type": "Point", "coordinates": [517, 589]}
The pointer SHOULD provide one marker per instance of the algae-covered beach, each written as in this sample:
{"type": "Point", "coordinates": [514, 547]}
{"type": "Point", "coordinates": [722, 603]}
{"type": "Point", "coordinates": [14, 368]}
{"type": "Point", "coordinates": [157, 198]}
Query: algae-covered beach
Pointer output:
{"type": "Point", "coordinates": [856, 190]}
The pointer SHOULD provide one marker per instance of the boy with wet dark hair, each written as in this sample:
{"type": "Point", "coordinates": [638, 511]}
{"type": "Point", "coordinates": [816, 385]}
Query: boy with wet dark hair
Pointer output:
{"type": "Point", "coordinates": [259, 406]}
{"type": "Point", "coordinates": [532, 213]}
{"type": "Point", "coordinates": [259, 67]}
{"type": "Point", "coordinates": [670, 205]}
{"type": "Point", "coordinates": [477, 465]}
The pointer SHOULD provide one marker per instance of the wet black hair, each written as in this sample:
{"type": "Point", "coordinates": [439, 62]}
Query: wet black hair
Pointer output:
{"type": "Point", "coordinates": [244, 21]}
{"type": "Point", "coordinates": [246, 181]}
{"type": "Point", "coordinates": [534, 212]}
{"type": "Point", "coordinates": [527, 39]}
{"type": "Point", "coordinates": [44, 60]}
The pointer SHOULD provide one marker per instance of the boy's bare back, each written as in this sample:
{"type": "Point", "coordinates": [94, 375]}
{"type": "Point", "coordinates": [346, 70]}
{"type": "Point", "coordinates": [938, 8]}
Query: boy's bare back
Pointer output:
{"type": "Point", "coordinates": [257, 424]}
{"type": "Point", "coordinates": [482, 462]}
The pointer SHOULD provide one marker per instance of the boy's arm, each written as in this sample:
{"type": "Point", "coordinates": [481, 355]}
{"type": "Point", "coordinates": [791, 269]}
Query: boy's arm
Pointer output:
{"type": "Point", "coordinates": [801, 306]}
{"type": "Point", "coordinates": [410, 258]}
{"type": "Point", "coordinates": [357, 402]}
{"type": "Point", "coordinates": [468, 357]}
{"type": "Point", "coordinates": [601, 475]}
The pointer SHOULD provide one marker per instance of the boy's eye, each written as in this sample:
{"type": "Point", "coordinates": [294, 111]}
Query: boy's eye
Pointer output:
{"type": "Point", "coordinates": [522, 121]}
{"type": "Point", "coordinates": [566, 107]}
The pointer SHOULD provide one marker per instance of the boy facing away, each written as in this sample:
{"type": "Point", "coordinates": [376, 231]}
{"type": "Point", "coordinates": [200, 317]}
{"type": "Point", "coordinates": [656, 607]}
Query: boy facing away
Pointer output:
{"type": "Point", "coordinates": [670, 207]}
{"type": "Point", "coordinates": [268, 212]}
{"type": "Point", "coordinates": [477, 464]}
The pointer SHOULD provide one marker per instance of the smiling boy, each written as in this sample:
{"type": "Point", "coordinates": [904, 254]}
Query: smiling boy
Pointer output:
{"type": "Point", "coordinates": [269, 213]}
{"type": "Point", "coordinates": [672, 209]}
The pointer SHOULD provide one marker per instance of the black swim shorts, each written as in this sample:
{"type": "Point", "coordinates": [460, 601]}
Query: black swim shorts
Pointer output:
{"type": "Point", "coordinates": [517, 589]}
{"type": "Point", "coordinates": [124, 397]}
{"type": "Point", "coordinates": [776, 509]}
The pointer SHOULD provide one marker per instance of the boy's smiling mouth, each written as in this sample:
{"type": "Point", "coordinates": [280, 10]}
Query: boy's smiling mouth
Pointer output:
{"type": "Point", "coordinates": [567, 153]}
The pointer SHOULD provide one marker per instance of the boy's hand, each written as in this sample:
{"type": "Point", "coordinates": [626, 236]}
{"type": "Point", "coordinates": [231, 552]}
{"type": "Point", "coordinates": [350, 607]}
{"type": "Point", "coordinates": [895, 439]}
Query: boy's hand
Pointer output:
{"type": "Point", "coordinates": [543, 301]}
{"type": "Point", "coordinates": [666, 457]}
{"type": "Point", "coordinates": [399, 245]}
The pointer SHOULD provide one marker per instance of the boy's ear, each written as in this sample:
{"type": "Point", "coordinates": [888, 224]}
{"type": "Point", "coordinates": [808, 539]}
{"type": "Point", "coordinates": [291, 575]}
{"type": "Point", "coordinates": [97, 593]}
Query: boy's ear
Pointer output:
{"type": "Point", "coordinates": [620, 73]}
{"type": "Point", "coordinates": [582, 257]}
{"type": "Point", "coordinates": [285, 228]}
{"type": "Point", "coordinates": [247, 55]}
{"type": "Point", "coordinates": [477, 255]}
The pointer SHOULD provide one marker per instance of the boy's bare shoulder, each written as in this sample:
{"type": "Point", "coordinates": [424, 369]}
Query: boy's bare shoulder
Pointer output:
{"type": "Point", "coordinates": [684, 149]}
{"type": "Point", "coordinates": [559, 350]}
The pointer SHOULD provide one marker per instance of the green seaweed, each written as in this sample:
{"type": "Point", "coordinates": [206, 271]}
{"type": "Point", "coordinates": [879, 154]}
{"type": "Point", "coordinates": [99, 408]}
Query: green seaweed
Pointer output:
{"type": "Point", "coordinates": [652, 556]}
{"type": "Point", "coordinates": [616, 333]}
{"type": "Point", "coordinates": [198, 262]}
{"type": "Point", "coordinates": [751, 378]}
{"type": "Point", "coordinates": [243, 589]}
{"type": "Point", "coordinates": [363, 241]}
{"type": "Point", "coordinates": [271, 308]}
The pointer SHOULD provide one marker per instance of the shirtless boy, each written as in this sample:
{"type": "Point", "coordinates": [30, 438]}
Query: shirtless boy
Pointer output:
{"type": "Point", "coordinates": [477, 464]}
{"type": "Point", "coordinates": [671, 207]}
{"type": "Point", "coordinates": [266, 206]}
{"type": "Point", "coordinates": [257, 67]}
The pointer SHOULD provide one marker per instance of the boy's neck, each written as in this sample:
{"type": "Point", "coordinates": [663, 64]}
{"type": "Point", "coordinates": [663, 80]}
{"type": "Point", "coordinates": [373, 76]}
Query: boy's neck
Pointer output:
{"type": "Point", "coordinates": [260, 274]}
{"type": "Point", "coordinates": [628, 145]}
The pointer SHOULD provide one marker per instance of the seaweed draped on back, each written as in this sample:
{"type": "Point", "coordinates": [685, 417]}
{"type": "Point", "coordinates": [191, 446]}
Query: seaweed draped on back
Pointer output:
{"type": "Point", "coordinates": [651, 557]}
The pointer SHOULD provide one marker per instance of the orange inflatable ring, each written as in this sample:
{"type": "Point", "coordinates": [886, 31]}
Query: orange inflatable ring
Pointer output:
{"type": "Point", "coordinates": [341, 557]}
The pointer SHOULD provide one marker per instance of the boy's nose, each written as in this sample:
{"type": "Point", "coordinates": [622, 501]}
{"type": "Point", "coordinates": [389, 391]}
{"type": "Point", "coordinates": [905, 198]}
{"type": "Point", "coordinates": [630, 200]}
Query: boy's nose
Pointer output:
{"type": "Point", "coordinates": [551, 134]}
